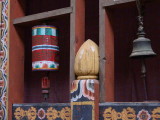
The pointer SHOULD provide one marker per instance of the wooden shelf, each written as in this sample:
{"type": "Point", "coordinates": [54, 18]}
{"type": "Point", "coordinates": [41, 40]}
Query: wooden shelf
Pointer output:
{"type": "Point", "coordinates": [114, 2]}
{"type": "Point", "coordinates": [42, 16]}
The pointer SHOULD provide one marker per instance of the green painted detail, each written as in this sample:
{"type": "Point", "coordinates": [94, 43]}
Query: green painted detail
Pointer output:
{"type": "Point", "coordinates": [52, 66]}
{"type": "Point", "coordinates": [38, 31]}
{"type": "Point", "coordinates": [37, 66]}
{"type": "Point", "coordinates": [48, 31]}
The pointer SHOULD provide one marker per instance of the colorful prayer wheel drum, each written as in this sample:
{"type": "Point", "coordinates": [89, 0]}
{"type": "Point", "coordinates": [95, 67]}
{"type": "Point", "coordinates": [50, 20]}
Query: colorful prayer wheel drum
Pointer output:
{"type": "Point", "coordinates": [44, 48]}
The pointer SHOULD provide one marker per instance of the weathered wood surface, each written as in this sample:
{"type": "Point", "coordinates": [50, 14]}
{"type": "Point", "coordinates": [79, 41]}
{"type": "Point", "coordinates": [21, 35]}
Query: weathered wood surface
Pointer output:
{"type": "Point", "coordinates": [106, 48]}
{"type": "Point", "coordinates": [107, 3]}
{"type": "Point", "coordinates": [42, 16]}
{"type": "Point", "coordinates": [106, 42]}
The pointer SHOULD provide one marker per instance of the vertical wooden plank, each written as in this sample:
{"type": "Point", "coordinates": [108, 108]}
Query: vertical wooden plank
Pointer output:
{"type": "Point", "coordinates": [23, 4]}
{"type": "Point", "coordinates": [72, 41]}
{"type": "Point", "coordinates": [102, 75]}
{"type": "Point", "coordinates": [106, 48]}
{"type": "Point", "coordinates": [109, 38]}
{"type": "Point", "coordinates": [16, 59]}
{"type": "Point", "coordinates": [80, 23]}
{"type": "Point", "coordinates": [77, 31]}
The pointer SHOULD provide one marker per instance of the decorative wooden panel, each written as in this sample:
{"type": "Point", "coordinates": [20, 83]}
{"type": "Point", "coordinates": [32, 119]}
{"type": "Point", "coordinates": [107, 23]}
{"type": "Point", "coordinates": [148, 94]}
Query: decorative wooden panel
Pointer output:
{"type": "Point", "coordinates": [41, 111]}
{"type": "Point", "coordinates": [108, 111]}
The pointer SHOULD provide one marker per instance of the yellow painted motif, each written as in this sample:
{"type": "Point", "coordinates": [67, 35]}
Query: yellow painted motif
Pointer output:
{"type": "Point", "coordinates": [19, 113]}
{"type": "Point", "coordinates": [51, 113]}
{"type": "Point", "coordinates": [31, 113]}
{"type": "Point", "coordinates": [156, 114]}
{"type": "Point", "coordinates": [65, 113]}
{"type": "Point", "coordinates": [129, 114]}
{"type": "Point", "coordinates": [126, 114]}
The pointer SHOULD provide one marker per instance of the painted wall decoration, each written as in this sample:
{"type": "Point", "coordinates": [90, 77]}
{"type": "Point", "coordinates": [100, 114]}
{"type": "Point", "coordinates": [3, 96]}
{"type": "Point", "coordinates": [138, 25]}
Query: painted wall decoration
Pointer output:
{"type": "Point", "coordinates": [108, 111]}
{"type": "Point", "coordinates": [82, 90]}
{"type": "Point", "coordinates": [4, 39]}
{"type": "Point", "coordinates": [44, 48]}
{"type": "Point", "coordinates": [83, 99]}
{"type": "Point", "coordinates": [41, 112]}
{"type": "Point", "coordinates": [129, 111]}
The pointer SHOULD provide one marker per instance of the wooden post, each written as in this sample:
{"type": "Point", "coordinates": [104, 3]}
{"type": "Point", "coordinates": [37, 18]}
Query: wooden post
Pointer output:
{"type": "Point", "coordinates": [77, 31]}
{"type": "Point", "coordinates": [85, 90]}
{"type": "Point", "coordinates": [16, 60]}
{"type": "Point", "coordinates": [106, 48]}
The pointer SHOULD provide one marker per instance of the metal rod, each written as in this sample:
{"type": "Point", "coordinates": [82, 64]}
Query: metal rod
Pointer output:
{"type": "Point", "coordinates": [140, 6]}
{"type": "Point", "coordinates": [138, 3]}
{"type": "Point", "coordinates": [143, 71]}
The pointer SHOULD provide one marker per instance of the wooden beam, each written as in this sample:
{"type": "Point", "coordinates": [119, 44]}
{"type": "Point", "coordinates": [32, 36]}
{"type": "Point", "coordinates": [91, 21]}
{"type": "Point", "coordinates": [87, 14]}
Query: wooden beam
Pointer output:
{"type": "Point", "coordinates": [107, 3]}
{"type": "Point", "coordinates": [43, 16]}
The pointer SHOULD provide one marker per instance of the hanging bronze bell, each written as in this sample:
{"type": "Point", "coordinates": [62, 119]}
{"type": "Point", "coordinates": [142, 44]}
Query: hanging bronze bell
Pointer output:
{"type": "Point", "coordinates": [142, 47]}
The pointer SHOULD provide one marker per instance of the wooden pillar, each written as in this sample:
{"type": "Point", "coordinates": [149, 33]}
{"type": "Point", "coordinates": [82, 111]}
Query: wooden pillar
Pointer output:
{"type": "Point", "coordinates": [85, 90]}
{"type": "Point", "coordinates": [106, 48]}
{"type": "Point", "coordinates": [16, 59]}
{"type": "Point", "coordinates": [77, 31]}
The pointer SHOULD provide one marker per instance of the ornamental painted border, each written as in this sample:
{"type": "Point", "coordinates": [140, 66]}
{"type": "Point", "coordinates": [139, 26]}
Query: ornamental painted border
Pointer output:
{"type": "Point", "coordinates": [4, 39]}
{"type": "Point", "coordinates": [108, 111]}
{"type": "Point", "coordinates": [41, 111]}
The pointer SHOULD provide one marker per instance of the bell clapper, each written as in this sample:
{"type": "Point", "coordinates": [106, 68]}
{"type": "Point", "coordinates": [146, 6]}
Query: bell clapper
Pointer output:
{"type": "Point", "coordinates": [143, 71]}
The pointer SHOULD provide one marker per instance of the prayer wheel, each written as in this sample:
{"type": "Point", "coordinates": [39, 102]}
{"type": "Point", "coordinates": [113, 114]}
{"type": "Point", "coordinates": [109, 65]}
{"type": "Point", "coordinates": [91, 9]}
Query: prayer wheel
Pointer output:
{"type": "Point", "coordinates": [44, 48]}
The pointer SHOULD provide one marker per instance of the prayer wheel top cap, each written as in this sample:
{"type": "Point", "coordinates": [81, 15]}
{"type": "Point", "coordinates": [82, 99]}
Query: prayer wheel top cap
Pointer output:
{"type": "Point", "coordinates": [87, 61]}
